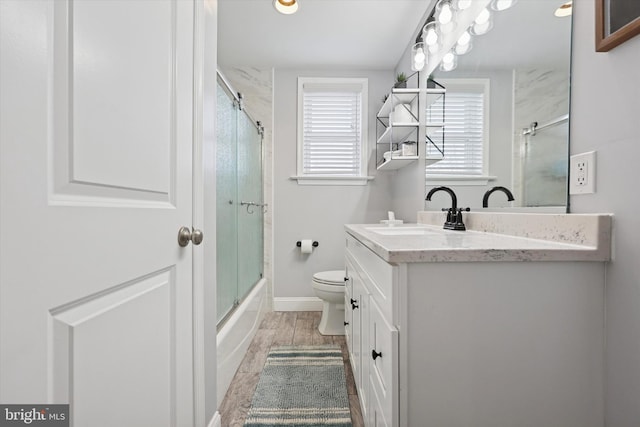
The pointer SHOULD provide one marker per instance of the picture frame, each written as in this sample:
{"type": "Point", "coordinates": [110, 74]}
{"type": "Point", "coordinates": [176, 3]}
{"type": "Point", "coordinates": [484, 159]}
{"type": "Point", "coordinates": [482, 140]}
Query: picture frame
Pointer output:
{"type": "Point", "coordinates": [616, 22]}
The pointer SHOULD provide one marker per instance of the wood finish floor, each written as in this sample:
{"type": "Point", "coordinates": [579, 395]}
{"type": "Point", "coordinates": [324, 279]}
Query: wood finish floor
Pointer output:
{"type": "Point", "coordinates": [280, 328]}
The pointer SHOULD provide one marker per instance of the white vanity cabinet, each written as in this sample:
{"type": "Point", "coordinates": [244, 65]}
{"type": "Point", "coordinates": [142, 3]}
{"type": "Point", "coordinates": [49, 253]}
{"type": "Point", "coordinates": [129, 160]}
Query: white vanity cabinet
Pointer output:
{"type": "Point", "coordinates": [474, 343]}
{"type": "Point", "coordinates": [371, 335]}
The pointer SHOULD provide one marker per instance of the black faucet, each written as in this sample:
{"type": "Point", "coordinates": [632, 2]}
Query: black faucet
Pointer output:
{"type": "Point", "coordinates": [505, 190]}
{"type": "Point", "coordinates": [454, 214]}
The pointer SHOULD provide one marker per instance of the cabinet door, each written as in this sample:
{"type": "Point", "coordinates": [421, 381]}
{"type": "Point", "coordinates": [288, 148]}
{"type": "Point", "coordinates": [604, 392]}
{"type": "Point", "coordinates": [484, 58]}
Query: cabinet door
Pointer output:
{"type": "Point", "coordinates": [363, 302]}
{"type": "Point", "coordinates": [348, 311]}
{"type": "Point", "coordinates": [383, 362]}
{"type": "Point", "coordinates": [352, 313]}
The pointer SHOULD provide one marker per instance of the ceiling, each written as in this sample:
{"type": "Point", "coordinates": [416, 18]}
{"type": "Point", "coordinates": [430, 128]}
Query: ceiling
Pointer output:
{"type": "Point", "coordinates": [373, 34]}
{"type": "Point", "coordinates": [363, 34]}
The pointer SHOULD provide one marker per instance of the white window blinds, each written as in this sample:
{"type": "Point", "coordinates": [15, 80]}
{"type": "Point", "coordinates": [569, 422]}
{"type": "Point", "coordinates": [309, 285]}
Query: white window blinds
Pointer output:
{"type": "Point", "coordinates": [464, 146]}
{"type": "Point", "coordinates": [332, 132]}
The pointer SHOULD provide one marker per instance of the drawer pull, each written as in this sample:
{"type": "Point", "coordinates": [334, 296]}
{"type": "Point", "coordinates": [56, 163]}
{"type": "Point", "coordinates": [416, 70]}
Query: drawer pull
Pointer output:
{"type": "Point", "coordinates": [353, 304]}
{"type": "Point", "coordinates": [346, 323]}
{"type": "Point", "coordinates": [375, 355]}
{"type": "Point", "coordinates": [346, 279]}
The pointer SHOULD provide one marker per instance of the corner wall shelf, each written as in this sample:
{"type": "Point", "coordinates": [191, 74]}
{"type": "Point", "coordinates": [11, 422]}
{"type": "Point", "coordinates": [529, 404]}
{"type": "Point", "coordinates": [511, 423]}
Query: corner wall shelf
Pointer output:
{"type": "Point", "coordinates": [398, 124]}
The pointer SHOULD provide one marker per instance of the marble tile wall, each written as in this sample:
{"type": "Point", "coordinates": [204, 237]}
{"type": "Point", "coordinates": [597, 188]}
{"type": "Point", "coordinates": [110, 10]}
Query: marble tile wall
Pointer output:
{"type": "Point", "coordinates": [256, 86]}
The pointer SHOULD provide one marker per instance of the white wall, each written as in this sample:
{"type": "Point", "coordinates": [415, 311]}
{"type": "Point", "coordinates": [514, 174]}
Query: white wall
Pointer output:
{"type": "Point", "coordinates": [605, 112]}
{"type": "Point", "coordinates": [317, 212]}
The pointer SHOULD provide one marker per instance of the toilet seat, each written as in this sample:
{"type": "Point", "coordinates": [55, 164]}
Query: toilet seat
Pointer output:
{"type": "Point", "coordinates": [332, 278]}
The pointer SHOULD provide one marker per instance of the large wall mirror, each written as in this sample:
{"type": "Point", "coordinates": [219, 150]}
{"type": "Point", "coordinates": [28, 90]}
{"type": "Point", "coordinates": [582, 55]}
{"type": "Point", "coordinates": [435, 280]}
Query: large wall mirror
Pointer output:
{"type": "Point", "coordinates": [512, 89]}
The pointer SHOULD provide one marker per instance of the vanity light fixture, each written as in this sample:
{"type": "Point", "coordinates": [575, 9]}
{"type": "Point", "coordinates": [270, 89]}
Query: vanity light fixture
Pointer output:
{"type": "Point", "coordinates": [419, 57]}
{"type": "Point", "coordinates": [286, 7]}
{"type": "Point", "coordinates": [564, 10]}
{"type": "Point", "coordinates": [442, 20]}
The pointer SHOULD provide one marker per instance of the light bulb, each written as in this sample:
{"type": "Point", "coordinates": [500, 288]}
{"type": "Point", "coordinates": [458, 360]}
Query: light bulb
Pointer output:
{"type": "Point", "coordinates": [461, 49]}
{"type": "Point", "coordinates": [450, 64]}
{"type": "Point", "coordinates": [483, 23]}
{"type": "Point", "coordinates": [502, 4]}
{"type": "Point", "coordinates": [446, 14]}
{"type": "Point", "coordinates": [462, 4]}
{"type": "Point", "coordinates": [419, 57]}
{"type": "Point", "coordinates": [483, 17]}
{"type": "Point", "coordinates": [448, 57]}
{"type": "Point", "coordinates": [430, 34]}
{"type": "Point", "coordinates": [480, 29]}
{"type": "Point", "coordinates": [465, 38]}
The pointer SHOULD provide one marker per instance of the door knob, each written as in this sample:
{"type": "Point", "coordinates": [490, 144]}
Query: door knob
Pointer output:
{"type": "Point", "coordinates": [185, 235]}
{"type": "Point", "coordinates": [197, 236]}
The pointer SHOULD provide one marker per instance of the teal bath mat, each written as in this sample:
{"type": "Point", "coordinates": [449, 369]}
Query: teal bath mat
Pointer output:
{"type": "Point", "coordinates": [301, 386]}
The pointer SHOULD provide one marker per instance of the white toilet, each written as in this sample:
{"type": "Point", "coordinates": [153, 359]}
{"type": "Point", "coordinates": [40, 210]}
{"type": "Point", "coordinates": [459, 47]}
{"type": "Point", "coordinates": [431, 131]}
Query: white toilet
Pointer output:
{"type": "Point", "coordinates": [329, 287]}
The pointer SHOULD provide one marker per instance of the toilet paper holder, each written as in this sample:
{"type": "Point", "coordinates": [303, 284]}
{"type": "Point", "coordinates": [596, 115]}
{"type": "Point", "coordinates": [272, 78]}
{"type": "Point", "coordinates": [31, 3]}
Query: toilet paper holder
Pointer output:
{"type": "Point", "coordinates": [314, 244]}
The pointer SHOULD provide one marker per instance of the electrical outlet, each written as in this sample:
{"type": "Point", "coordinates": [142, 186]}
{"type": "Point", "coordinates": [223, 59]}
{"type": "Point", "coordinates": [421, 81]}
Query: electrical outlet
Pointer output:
{"type": "Point", "coordinates": [582, 173]}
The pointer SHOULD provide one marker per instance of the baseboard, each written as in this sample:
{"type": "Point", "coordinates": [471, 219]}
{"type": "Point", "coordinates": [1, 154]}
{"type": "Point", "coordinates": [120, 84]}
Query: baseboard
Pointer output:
{"type": "Point", "coordinates": [297, 304]}
{"type": "Point", "coordinates": [216, 421]}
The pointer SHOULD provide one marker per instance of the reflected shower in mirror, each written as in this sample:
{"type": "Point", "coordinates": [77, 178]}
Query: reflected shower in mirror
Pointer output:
{"type": "Point", "coordinates": [517, 135]}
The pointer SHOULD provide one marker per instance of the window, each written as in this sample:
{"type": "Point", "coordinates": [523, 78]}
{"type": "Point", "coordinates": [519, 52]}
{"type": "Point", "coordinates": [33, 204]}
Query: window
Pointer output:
{"type": "Point", "coordinates": [332, 130]}
{"type": "Point", "coordinates": [466, 124]}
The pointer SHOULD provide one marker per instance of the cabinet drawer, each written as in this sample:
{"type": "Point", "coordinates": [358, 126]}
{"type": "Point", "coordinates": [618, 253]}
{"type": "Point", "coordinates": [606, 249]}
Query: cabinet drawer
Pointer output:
{"type": "Point", "coordinates": [383, 369]}
{"type": "Point", "coordinates": [379, 276]}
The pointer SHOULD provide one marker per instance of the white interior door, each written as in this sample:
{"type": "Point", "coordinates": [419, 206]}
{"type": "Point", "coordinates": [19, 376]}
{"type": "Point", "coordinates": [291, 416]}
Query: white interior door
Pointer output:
{"type": "Point", "coordinates": [96, 180]}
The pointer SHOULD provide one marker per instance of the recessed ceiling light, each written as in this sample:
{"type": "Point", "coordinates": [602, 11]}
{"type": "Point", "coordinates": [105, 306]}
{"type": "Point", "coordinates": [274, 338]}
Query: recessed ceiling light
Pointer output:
{"type": "Point", "coordinates": [564, 10]}
{"type": "Point", "coordinates": [286, 7]}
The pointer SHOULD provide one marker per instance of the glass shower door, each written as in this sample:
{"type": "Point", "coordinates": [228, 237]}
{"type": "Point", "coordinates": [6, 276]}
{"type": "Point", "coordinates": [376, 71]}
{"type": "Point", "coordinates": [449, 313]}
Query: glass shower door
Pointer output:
{"type": "Point", "coordinates": [226, 204]}
{"type": "Point", "coordinates": [250, 217]}
{"type": "Point", "coordinates": [239, 210]}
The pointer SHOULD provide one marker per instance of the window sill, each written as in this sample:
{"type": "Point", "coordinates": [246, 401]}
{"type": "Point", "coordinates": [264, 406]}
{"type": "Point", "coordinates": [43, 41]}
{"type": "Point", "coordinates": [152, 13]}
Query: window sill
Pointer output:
{"type": "Point", "coordinates": [332, 180]}
{"type": "Point", "coordinates": [460, 179]}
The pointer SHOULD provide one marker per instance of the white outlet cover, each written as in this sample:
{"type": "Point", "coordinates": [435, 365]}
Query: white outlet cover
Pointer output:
{"type": "Point", "coordinates": [582, 173]}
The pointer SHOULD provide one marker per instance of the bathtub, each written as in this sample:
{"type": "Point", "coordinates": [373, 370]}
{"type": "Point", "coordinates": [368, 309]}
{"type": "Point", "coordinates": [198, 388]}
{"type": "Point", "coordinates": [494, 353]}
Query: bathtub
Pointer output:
{"type": "Point", "coordinates": [234, 337]}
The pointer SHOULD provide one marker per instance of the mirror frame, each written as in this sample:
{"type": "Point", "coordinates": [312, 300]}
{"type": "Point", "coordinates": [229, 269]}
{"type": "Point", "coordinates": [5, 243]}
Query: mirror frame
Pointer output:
{"type": "Point", "coordinates": [605, 42]}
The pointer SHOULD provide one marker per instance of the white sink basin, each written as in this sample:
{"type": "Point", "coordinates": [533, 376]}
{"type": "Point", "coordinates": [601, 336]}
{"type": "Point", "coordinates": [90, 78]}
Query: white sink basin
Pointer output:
{"type": "Point", "coordinates": [399, 231]}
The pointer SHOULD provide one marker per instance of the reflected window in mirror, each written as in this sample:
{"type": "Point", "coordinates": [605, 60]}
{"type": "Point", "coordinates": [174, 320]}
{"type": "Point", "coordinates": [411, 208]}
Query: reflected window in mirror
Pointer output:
{"type": "Point", "coordinates": [466, 131]}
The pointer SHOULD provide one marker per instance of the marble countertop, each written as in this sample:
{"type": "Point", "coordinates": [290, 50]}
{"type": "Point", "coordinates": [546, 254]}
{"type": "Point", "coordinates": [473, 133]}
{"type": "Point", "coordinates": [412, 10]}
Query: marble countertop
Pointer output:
{"type": "Point", "coordinates": [431, 243]}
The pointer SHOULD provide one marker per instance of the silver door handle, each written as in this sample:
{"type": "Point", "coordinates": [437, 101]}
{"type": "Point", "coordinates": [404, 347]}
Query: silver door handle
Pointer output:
{"type": "Point", "coordinates": [185, 235]}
